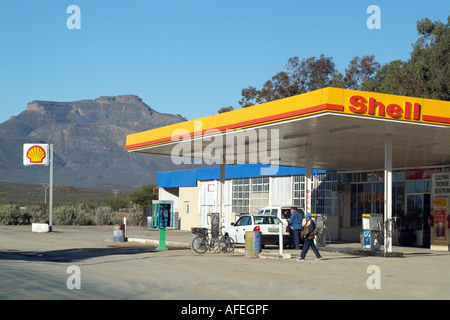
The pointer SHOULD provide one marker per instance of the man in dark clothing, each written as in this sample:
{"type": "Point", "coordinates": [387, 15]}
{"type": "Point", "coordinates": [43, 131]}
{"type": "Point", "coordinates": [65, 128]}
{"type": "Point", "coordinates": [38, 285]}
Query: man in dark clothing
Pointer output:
{"type": "Point", "coordinates": [295, 221]}
{"type": "Point", "coordinates": [287, 216]}
{"type": "Point", "coordinates": [309, 239]}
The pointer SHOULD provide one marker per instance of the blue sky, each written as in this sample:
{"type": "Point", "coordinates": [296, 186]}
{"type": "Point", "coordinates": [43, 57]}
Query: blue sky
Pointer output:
{"type": "Point", "coordinates": [187, 57]}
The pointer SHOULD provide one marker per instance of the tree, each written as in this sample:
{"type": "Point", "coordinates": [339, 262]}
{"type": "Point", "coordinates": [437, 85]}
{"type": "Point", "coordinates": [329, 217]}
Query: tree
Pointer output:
{"type": "Point", "coordinates": [392, 78]}
{"type": "Point", "coordinates": [144, 196]}
{"type": "Point", "coordinates": [429, 62]}
{"type": "Point", "coordinates": [424, 75]}
{"type": "Point", "coordinates": [249, 97]}
{"type": "Point", "coordinates": [300, 77]}
{"type": "Point", "coordinates": [225, 109]}
{"type": "Point", "coordinates": [360, 72]}
{"type": "Point", "coordinates": [427, 71]}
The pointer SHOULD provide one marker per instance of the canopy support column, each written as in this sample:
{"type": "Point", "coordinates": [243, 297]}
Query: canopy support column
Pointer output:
{"type": "Point", "coordinates": [222, 192]}
{"type": "Point", "coordinates": [308, 178]}
{"type": "Point", "coordinates": [388, 193]}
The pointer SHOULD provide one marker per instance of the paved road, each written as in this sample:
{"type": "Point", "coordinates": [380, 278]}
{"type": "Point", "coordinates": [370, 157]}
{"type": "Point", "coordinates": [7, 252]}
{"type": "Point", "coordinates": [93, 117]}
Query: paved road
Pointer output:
{"type": "Point", "coordinates": [35, 266]}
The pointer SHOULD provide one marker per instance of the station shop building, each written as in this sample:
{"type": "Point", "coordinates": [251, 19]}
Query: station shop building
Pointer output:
{"type": "Point", "coordinates": [344, 152]}
{"type": "Point", "coordinates": [343, 197]}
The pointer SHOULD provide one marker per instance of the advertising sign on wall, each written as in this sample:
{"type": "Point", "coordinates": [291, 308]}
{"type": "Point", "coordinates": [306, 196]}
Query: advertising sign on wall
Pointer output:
{"type": "Point", "coordinates": [440, 228]}
{"type": "Point", "coordinates": [440, 193]}
{"type": "Point", "coordinates": [440, 184]}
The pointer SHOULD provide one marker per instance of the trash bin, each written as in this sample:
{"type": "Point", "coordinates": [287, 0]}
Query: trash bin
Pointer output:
{"type": "Point", "coordinates": [253, 245]}
{"type": "Point", "coordinates": [119, 233]}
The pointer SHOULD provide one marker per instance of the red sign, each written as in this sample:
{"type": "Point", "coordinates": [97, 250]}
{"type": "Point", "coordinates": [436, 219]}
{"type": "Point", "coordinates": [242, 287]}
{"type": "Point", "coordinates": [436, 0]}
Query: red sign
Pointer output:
{"type": "Point", "coordinates": [419, 174]}
{"type": "Point", "coordinates": [360, 105]}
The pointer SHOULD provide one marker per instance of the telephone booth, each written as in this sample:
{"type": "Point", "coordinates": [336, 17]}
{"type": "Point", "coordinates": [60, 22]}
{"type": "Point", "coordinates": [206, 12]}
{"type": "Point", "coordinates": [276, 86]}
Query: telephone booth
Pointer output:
{"type": "Point", "coordinates": [162, 213]}
{"type": "Point", "coordinates": [162, 218]}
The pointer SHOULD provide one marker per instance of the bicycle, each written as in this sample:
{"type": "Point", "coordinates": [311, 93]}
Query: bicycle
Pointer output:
{"type": "Point", "coordinates": [202, 242]}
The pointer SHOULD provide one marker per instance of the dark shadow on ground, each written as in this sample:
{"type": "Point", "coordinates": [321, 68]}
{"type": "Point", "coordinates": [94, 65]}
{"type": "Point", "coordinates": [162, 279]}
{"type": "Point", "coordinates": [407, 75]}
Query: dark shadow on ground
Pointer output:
{"type": "Point", "coordinates": [73, 255]}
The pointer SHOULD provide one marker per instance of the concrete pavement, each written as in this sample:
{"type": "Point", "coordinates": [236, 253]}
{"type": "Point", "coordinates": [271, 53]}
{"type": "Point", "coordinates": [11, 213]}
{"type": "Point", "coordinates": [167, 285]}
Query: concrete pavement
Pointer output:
{"type": "Point", "coordinates": [35, 266]}
{"type": "Point", "coordinates": [182, 239]}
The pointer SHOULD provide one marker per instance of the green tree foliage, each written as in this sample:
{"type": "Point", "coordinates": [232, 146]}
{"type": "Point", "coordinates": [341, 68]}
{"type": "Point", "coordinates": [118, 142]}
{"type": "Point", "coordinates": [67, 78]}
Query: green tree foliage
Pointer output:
{"type": "Point", "coordinates": [312, 74]}
{"type": "Point", "coordinates": [144, 196]}
{"type": "Point", "coordinates": [225, 109]}
{"type": "Point", "coordinates": [115, 203]}
{"type": "Point", "coordinates": [426, 74]}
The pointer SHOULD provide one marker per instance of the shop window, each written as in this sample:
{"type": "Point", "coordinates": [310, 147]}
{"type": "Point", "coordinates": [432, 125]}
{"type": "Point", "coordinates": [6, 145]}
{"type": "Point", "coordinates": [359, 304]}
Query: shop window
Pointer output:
{"type": "Point", "coordinates": [250, 194]}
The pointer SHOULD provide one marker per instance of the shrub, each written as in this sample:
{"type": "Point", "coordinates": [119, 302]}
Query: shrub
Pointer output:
{"type": "Point", "coordinates": [64, 215]}
{"type": "Point", "coordinates": [106, 216]}
{"type": "Point", "coordinates": [134, 217]}
{"type": "Point", "coordinates": [11, 214]}
{"type": "Point", "coordinates": [79, 214]}
{"type": "Point", "coordinates": [83, 215]}
{"type": "Point", "coordinates": [38, 213]}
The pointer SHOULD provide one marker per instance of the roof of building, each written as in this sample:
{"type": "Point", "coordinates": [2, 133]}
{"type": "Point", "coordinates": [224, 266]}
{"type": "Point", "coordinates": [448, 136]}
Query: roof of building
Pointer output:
{"type": "Point", "coordinates": [189, 178]}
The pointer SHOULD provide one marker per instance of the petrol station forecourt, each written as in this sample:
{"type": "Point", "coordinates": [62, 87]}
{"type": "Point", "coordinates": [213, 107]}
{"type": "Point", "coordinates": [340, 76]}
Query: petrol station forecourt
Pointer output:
{"type": "Point", "coordinates": [328, 129]}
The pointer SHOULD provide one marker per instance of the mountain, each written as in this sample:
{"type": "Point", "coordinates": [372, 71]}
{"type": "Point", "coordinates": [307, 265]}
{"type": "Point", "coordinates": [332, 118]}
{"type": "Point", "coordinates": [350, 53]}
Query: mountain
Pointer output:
{"type": "Point", "coordinates": [88, 138]}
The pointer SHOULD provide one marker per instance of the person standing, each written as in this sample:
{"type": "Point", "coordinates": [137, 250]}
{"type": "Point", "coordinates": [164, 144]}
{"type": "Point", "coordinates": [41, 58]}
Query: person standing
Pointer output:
{"type": "Point", "coordinates": [309, 232]}
{"type": "Point", "coordinates": [295, 221]}
{"type": "Point", "coordinates": [287, 216]}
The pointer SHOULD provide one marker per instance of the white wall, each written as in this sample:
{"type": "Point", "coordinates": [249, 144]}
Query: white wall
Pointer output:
{"type": "Point", "coordinates": [280, 190]}
{"type": "Point", "coordinates": [170, 194]}
{"type": "Point", "coordinates": [209, 201]}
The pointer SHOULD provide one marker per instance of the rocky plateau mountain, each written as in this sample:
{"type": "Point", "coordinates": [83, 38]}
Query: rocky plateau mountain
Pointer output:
{"type": "Point", "coordinates": [88, 138]}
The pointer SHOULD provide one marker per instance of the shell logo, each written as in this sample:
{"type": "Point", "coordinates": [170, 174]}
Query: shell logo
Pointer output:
{"type": "Point", "coordinates": [36, 154]}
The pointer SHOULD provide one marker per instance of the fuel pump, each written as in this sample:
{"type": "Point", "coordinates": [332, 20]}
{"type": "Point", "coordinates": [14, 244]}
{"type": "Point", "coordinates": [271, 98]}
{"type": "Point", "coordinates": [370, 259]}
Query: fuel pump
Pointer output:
{"type": "Point", "coordinates": [322, 229]}
{"type": "Point", "coordinates": [371, 236]}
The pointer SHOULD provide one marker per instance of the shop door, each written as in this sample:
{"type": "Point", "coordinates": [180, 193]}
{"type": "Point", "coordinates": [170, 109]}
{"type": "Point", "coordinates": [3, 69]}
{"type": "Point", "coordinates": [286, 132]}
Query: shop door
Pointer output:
{"type": "Point", "coordinates": [417, 211]}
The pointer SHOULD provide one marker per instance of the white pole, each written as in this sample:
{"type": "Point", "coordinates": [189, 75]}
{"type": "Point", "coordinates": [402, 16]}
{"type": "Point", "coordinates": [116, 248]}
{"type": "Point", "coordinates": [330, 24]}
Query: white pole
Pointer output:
{"type": "Point", "coordinates": [308, 178]}
{"type": "Point", "coordinates": [222, 192]}
{"type": "Point", "coordinates": [280, 238]}
{"type": "Point", "coordinates": [50, 205]}
{"type": "Point", "coordinates": [125, 227]}
{"type": "Point", "coordinates": [388, 193]}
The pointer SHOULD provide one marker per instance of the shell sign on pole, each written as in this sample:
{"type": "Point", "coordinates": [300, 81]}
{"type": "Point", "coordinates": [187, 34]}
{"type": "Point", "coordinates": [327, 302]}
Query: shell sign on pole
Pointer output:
{"type": "Point", "coordinates": [35, 154]}
{"type": "Point", "coordinates": [41, 155]}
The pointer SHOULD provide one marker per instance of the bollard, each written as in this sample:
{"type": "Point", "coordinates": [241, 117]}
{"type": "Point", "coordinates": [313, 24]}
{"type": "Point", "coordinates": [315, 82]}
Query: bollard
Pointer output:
{"type": "Point", "coordinates": [253, 244]}
{"type": "Point", "coordinates": [280, 239]}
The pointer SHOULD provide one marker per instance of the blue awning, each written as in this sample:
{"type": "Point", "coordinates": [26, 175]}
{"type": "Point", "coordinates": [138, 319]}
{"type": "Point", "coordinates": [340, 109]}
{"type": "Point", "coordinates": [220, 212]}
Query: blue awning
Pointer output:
{"type": "Point", "coordinates": [189, 178]}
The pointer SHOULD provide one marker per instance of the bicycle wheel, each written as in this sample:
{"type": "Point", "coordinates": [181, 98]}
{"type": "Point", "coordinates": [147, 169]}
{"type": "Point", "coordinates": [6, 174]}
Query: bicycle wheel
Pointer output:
{"type": "Point", "coordinates": [200, 245]}
{"type": "Point", "coordinates": [226, 244]}
{"type": "Point", "coordinates": [230, 244]}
